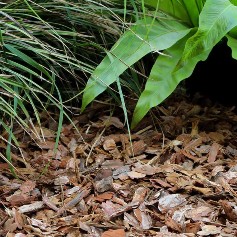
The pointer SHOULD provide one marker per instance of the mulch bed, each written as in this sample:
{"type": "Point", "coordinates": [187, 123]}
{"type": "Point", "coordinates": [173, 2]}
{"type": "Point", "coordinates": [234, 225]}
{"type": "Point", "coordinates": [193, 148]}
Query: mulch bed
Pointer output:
{"type": "Point", "coordinates": [174, 175]}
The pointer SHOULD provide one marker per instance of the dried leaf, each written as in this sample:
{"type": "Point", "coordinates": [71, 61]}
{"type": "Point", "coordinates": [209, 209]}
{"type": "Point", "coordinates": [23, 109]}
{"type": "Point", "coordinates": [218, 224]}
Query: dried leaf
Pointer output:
{"type": "Point", "coordinates": [48, 145]}
{"type": "Point", "coordinates": [199, 213]}
{"type": "Point", "coordinates": [104, 185]}
{"type": "Point", "coordinates": [131, 220]}
{"type": "Point", "coordinates": [173, 224]}
{"type": "Point", "coordinates": [109, 144]}
{"type": "Point", "coordinates": [104, 196]}
{"type": "Point", "coordinates": [139, 195]}
{"type": "Point", "coordinates": [208, 230]}
{"type": "Point", "coordinates": [121, 170]}
{"type": "Point", "coordinates": [145, 220]}
{"type": "Point", "coordinates": [27, 186]}
{"type": "Point", "coordinates": [230, 211]}
{"type": "Point", "coordinates": [31, 207]}
{"type": "Point", "coordinates": [213, 152]}
{"type": "Point", "coordinates": [171, 201]}
{"type": "Point", "coordinates": [114, 233]}
{"type": "Point", "coordinates": [137, 148]}
{"type": "Point", "coordinates": [62, 180]}
{"type": "Point", "coordinates": [193, 227]}
{"type": "Point", "coordinates": [135, 175]}
{"type": "Point", "coordinates": [18, 218]}
{"type": "Point", "coordinates": [112, 121]}
{"type": "Point", "coordinates": [110, 208]}
{"type": "Point", "coordinates": [147, 169]}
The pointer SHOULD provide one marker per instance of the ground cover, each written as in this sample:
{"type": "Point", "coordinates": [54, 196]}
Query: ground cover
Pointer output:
{"type": "Point", "coordinates": [178, 179]}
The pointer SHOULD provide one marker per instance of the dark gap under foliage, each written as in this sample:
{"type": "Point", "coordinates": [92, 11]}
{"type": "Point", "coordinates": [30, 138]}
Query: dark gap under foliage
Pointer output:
{"type": "Point", "coordinates": [214, 78]}
{"type": "Point", "coordinates": [211, 80]}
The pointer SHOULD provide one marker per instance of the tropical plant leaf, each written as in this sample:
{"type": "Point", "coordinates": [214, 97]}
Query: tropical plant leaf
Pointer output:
{"type": "Point", "coordinates": [217, 18]}
{"type": "Point", "coordinates": [160, 83]}
{"type": "Point", "coordinates": [145, 37]}
{"type": "Point", "coordinates": [233, 32]}
{"type": "Point", "coordinates": [234, 2]}
{"type": "Point", "coordinates": [163, 80]}
{"type": "Point", "coordinates": [232, 43]}
{"type": "Point", "coordinates": [193, 8]}
{"type": "Point", "coordinates": [200, 4]}
{"type": "Point", "coordinates": [173, 8]}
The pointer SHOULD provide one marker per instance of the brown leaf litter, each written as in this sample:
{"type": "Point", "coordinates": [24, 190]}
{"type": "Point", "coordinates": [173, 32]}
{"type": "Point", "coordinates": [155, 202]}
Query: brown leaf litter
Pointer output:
{"type": "Point", "coordinates": [177, 177]}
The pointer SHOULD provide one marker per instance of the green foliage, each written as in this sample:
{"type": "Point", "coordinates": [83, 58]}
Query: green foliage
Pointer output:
{"type": "Point", "coordinates": [45, 47]}
{"type": "Point", "coordinates": [186, 11]}
{"type": "Point", "coordinates": [138, 41]}
{"type": "Point", "coordinates": [232, 43]}
{"type": "Point", "coordinates": [186, 33]}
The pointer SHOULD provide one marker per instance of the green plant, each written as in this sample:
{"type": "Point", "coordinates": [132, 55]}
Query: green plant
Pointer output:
{"type": "Point", "coordinates": [46, 46]}
{"type": "Point", "coordinates": [185, 31]}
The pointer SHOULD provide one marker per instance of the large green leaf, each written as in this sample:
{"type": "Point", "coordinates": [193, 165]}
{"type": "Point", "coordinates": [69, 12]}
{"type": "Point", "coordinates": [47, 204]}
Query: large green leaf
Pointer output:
{"type": "Point", "coordinates": [163, 80]}
{"type": "Point", "coordinates": [193, 7]}
{"type": "Point", "coordinates": [217, 18]}
{"type": "Point", "coordinates": [146, 36]}
{"type": "Point", "coordinates": [234, 2]}
{"type": "Point", "coordinates": [171, 7]}
{"type": "Point", "coordinates": [232, 43]}
{"type": "Point", "coordinates": [185, 10]}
